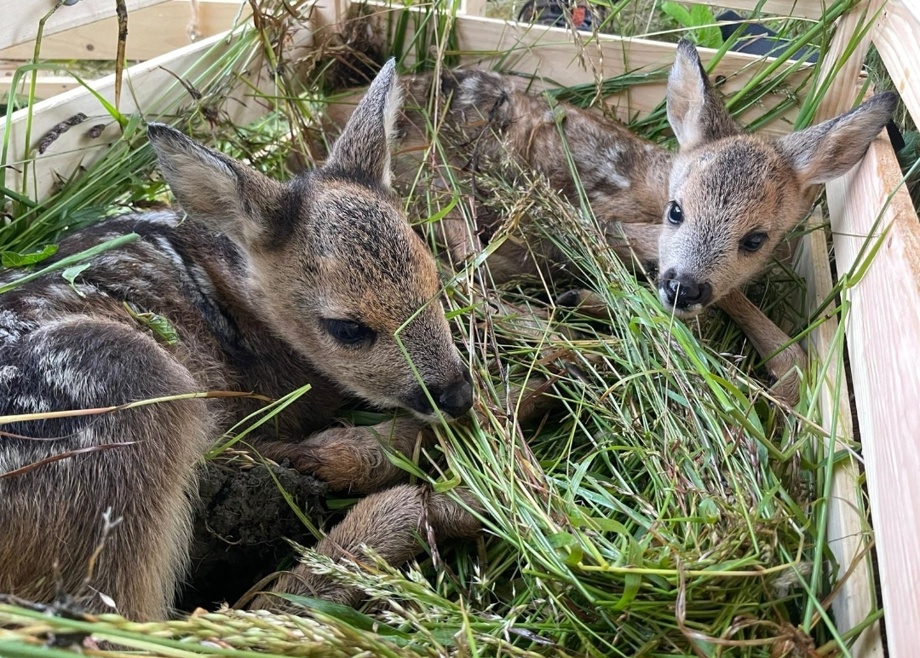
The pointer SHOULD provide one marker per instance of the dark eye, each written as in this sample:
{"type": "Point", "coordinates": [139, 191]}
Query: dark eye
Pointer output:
{"type": "Point", "coordinates": [349, 332]}
{"type": "Point", "coordinates": [753, 241]}
{"type": "Point", "coordinates": [675, 214]}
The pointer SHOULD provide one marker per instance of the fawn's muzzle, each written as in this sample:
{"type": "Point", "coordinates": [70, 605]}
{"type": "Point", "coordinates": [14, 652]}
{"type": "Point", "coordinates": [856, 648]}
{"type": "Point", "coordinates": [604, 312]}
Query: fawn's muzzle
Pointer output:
{"type": "Point", "coordinates": [682, 292]}
{"type": "Point", "coordinates": [454, 399]}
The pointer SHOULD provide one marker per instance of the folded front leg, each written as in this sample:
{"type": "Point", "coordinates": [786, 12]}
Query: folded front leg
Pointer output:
{"type": "Point", "coordinates": [767, 339]}
{"type": "Point", "coordinates": [350, 458]}
{"type": "Point", "coordinates": [391, 523]}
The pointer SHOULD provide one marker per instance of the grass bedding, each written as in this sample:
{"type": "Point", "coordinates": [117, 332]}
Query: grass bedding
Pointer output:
{"type": "Point", "coordinates": [669, 507]}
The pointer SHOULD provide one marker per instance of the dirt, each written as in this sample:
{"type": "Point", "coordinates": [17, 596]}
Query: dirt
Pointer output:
{"type": "Point", "coordinates": [241, 523]}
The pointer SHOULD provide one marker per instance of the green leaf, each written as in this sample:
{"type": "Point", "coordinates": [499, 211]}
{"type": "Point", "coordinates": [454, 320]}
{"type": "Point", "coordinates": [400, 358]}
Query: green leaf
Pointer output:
{"type": "Point", "coordinates": [699, 20]}
{"type": "Point", "coordinates": [71, 274]}
{"type": "Point", "coordinates": [606, 525]}
{"type": "Point", "coordinates": [14, 259]}
{"type": "Point", "coordinates": [678, 13]}
{"type": "Point", "coordinates": [700, 15]}
{"type": "Point", "coordinates": [561, 540]}
{"type": "Point", "coordinates": [160, 326]}
{"type": "Point", "coordinates": [70, 260]}
{"type": "Point", "coordinates": [709, 511]}
{"type": "Point", "coordinates": [444, 486]}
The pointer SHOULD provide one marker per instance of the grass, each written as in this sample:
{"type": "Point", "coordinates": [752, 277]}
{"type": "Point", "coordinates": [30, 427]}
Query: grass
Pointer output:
{"type": "Point", "coordinates": [667, 508]}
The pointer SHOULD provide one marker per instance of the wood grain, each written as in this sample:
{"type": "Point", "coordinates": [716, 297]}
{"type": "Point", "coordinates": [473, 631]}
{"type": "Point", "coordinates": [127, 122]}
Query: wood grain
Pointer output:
{"type": "Point", "coordinates": [554, 57]}
{"type": "Point", "coordinates": [848, 534]}
{"type": "Point", "coordinates": [151, 89]}
{"type": "Point", "coordinates": [152, 31]}
{"type": "Point", "coordinates": [799, 8]}
{"type": "Point", "coordinates": [882, 335]}
{"type": "Point", "coordinates": [20, 19]}
{"type": "Point", "coordinates": [46, 85]}
{"type": "Point", "coordinates": [897, 38]}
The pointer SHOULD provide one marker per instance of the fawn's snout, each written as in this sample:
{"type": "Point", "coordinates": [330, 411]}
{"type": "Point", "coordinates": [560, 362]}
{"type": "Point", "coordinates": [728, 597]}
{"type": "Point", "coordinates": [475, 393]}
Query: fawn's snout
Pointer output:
{"type": "Point", "coordinates": [683, 293]}
{"type": "Point", "coordinates": [454, 398]}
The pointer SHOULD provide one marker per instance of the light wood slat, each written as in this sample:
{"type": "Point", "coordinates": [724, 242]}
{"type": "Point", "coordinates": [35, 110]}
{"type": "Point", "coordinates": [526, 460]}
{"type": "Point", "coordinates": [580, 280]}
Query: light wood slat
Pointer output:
{"type": "Point", "coordinates": [149, 88]}
{"type": "Point", "coordinates": [897, 38]}
{"type": "Point", "coordinates": [882, 336]}
{"type": "Point", "coordinates": [812, 9]}
{"type": "Point", "coordinates": [551, 55]}
{"type": "Point", "coordinates": [46, 87]}
{"type": "Point", "coordinates": [21, 18]}
{"type": "Point", "coordinates": [152, 31]}
{"type": "Point", "coordinates": [848, 534]}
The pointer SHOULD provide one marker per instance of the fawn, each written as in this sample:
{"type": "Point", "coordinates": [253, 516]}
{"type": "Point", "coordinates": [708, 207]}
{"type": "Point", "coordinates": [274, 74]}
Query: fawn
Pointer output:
{"type": "Point", "coordinates": [268, 286]}
{"type": "Point", "coordinates": [707, 218]}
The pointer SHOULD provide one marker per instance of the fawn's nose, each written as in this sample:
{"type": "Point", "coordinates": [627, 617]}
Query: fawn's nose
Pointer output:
{"type": "Point", "coordinates": [682, 291]}
{"type": "Point", "coordinates": [454, 399]}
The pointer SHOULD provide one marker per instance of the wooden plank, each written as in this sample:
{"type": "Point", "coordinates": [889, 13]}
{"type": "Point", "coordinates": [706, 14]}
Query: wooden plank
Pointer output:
{"type": "Point", "coordinates": [848, 535]}
{"type": "Point", "coordinates": [812, 9]}
{"type": "Point", "coordinates": [897, 38]}
{"type": "Point", "coordinates": [877, 325]}
{"type": "Point", "coordinates": [882, 339]}
{"type": "Point", "coordinates": [152, 31]}
{"type": "Point", "coordinates": [327, 16]}
{"type": "Point", "coordinates": [20, 19]}
{"type": "Point", "coordinates": [473, 7]}
{"type": "Point", "coordinates": [841, 93]}
{"type": "Point", "coordinates": [47, 86]}
{"type": "Point", "coordinates": [149, 88]}
{"type": "Point", "coordinates": [551, 58]}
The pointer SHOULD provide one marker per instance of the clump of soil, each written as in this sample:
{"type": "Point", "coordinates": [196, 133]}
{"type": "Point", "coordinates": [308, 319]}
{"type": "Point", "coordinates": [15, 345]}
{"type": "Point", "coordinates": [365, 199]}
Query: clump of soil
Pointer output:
{"type": "Point", "coordinates": [241, 525]}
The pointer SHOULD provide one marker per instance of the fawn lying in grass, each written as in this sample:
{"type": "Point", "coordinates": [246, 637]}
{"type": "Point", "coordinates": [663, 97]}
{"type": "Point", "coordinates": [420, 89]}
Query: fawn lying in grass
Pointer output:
{"type": "Point", "coordinates": [707, 218]}
{"type": "Point", "coordinates": [268, 286]}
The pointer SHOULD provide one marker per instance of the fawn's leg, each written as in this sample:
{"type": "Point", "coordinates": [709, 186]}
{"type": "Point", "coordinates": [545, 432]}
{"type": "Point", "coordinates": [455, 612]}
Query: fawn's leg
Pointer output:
{"type": "Point", "coordinates": [353, 458]}
{"type": "Point", "coordinates": [52, 513]}
{"type": "Point", "coordinates": [767, 338]}
{"type": "Point", "coordinates": [391, 523]}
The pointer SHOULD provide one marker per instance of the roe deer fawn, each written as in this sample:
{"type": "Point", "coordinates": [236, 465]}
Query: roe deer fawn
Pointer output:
{"type": "Point", "coordinates": [708, 217]}
{"type": "Point", "coordinates": [268, 286]}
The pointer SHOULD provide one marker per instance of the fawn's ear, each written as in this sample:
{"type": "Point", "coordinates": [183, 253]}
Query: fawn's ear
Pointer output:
{"type": "Point", "coordinates": [362, 152]}
{"type": "Point", "coordinates": [211, 187]}
{"type": "Point", "coordinates": [829, 149]}
{"type": "Point", "coordinates": [695, 111]}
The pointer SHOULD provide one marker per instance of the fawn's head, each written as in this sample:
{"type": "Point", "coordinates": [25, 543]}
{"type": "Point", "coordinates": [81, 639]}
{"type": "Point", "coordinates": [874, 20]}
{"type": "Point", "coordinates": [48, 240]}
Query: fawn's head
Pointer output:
{"type": "Point", "coordinates": [334, 267]}
{"type": "Point", "coordinates": [733, 196]}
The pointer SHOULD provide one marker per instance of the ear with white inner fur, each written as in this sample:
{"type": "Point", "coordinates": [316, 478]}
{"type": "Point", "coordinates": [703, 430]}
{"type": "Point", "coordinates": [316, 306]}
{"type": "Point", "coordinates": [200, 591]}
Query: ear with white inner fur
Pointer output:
{"type": "Point", "coordinates": [695, 111]}
{"type": "Point", "coordinates": [211, 187]}
{"type": "Point", "coordinates": [829, 149]}
{"type": "Point", "coordinates": [362, 152]}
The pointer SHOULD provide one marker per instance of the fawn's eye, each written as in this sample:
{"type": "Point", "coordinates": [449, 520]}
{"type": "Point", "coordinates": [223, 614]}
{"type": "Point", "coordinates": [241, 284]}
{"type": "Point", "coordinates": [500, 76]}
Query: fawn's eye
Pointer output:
{"type": "Point", "coordinates": [753, 241]}
{"type": "Point", "coordinates": [675, 214]}
{"type": "Point", "coordinates": [349, 332]}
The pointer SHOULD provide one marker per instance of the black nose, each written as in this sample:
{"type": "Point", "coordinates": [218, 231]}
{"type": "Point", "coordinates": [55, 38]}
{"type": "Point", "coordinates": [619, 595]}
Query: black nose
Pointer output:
{"type": "Point", "coordinates": [454, 400]}
{"type": "Point", "coordinates": [683, 291]}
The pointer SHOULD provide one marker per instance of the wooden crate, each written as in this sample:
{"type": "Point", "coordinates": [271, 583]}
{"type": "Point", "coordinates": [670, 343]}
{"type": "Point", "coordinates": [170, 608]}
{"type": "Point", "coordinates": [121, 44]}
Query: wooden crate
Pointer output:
{"type": "Point", "coordinates": [155, 28]}
{"type": "Point", "coordinates": [867, 205]}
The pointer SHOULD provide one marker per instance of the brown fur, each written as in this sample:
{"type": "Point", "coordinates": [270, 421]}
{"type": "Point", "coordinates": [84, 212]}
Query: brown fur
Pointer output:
{"type": "Point", "coordinates": [731, 187]}
{"type": "Point", "coordinates": [269, 286]}
{"type": "Point", "coordinates": [412, 512]}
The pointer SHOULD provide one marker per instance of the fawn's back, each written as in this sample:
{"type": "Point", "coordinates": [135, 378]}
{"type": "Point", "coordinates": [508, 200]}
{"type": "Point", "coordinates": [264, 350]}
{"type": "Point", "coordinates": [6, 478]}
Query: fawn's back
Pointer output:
{"type": "Point", "coordinates": [267, 286]}
{"type": "Point", "coordinates": [709, 216]}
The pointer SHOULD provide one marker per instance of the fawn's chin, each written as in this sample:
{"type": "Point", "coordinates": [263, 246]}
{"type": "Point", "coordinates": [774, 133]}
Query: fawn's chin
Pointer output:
{"type": "Point", "coordinates": [690, 312]}
{"type": "Point", "coordinates": [687, 313]}
{"type": "Point", "coordinates": [430, 417]}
